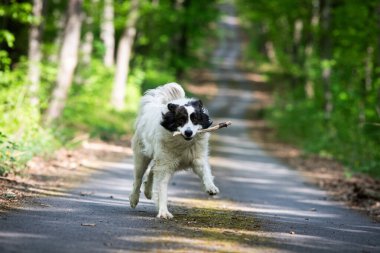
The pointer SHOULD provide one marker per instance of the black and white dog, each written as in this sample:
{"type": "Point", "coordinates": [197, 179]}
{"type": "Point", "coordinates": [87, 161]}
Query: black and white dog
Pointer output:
{"type": "Point", "coordinates": [163, 111]}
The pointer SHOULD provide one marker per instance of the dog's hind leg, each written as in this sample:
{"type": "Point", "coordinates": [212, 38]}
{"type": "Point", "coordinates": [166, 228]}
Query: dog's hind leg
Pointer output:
{"type": "Point", "coordinates": [141, 164]}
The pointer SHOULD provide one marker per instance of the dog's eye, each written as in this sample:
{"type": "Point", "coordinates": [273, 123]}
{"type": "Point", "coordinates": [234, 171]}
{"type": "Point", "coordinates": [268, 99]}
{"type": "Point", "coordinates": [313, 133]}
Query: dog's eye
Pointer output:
{"type": "Point", "coordinates": [193, 118]}
{"type": "Point", "coordinates": [182, 120]}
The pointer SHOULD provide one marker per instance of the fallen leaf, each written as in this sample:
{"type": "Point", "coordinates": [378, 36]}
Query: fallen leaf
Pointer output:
{"type": "Point", "coordinates": [88, 224]}
{"type": "Point", "coordinates": [9, 195]}
{"type": "Point", "coordinates": [86, 193]}
{"type": "Point", "coordinates": [292, 232]}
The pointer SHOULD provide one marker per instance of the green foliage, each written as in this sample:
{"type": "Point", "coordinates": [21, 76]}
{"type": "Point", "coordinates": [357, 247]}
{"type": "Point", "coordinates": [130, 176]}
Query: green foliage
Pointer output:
{"type": "Point", "coordinates": [171, 35]}
{"type": "Point", "coordinates": [22, 135]}
{"type": "Point", "coordinates": [155, 77]}
{"type": "Point", "coordinates": [333, 63]}
{"type": "Point", "coordinates": [7, 154]}
{"type": "Point", "coordinates": [18, 14]}
{"type": "Point", "coordinates": [88, 109]}
{"type": "Point", "coordinates": [169, 40]}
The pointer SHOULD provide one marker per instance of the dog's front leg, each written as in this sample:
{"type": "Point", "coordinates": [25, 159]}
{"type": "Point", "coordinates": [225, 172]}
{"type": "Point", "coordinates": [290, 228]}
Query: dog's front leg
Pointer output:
{"type": "Point", "coordinates": [203, 170]}
{"type": "Point", "coordinates": [161, 178]}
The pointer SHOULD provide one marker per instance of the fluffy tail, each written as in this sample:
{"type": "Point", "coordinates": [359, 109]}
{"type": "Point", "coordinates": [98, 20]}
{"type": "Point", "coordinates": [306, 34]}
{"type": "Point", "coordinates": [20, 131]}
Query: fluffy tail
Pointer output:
{"type": "Point", "coordinates": [163, 94]}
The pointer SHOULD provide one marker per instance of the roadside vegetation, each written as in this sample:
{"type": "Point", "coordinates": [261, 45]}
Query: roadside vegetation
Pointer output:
{"type": "Point", "coordinates": [322, 57]}
{"type": "Point", "coordinates": [78, 67]}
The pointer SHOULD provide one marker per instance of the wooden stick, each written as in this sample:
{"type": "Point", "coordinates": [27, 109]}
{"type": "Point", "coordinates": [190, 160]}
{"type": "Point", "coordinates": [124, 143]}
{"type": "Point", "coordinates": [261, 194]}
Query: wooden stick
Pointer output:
{"type": "Point", "coordinates": [210, 129]}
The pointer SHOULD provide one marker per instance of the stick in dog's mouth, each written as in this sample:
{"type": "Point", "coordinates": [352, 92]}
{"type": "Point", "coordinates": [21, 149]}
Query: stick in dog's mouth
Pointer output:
{"type": "Point", "coordinates": [210, 129]}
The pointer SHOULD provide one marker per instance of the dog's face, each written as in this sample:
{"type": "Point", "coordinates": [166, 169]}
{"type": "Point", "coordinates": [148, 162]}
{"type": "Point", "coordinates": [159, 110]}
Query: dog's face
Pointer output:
{"type": "Point", "coordinates": [187, 119]}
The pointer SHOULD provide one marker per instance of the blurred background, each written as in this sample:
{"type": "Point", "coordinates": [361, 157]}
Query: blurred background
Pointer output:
{"type": "Point", "coordinates": [76, 69]}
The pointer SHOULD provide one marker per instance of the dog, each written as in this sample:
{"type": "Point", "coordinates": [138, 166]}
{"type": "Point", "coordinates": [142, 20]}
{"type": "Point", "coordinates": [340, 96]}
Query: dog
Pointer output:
{"type": "Point", "coordinates": [163, 111]}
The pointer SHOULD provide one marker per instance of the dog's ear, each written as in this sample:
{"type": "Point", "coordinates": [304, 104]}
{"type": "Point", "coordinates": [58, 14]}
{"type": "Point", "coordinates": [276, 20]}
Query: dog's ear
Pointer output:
{"type": "Point", "coordinates": [168, 121]}
{"type": "Point", "coordinates": [206, 122]}
{"type": "Point", "coordinates": [197, 104]}
{"type": "Point", "coordinates": [172, 107]}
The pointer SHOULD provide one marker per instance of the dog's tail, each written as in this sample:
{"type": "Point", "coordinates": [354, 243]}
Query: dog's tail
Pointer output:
{"type": "Point", "coordinates": [163, 94]}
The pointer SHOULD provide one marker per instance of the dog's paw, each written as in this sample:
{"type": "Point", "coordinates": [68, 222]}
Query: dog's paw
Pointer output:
{"type": "Point", "coordinates": [134, 199]}
{"type": "Point", "coordinates": [148, 193]}
{"type": "Point", "coordinates": [212, 190]}
{"type": "Point", "coordinates": [148, 190]}
{"type": "Point", "coordinates": [164, 215]}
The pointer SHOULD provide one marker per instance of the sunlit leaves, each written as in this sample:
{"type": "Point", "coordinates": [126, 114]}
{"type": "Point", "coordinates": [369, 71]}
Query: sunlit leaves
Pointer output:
{"type": "Point", "coordinates": [8, 37]}
{"type": "Point", "coordinates": [338, 58]}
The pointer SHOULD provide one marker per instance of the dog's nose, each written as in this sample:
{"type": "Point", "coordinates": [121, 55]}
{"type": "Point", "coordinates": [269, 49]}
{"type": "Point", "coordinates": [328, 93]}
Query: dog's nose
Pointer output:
{"type": "Point", "coordinates": [188, 133]}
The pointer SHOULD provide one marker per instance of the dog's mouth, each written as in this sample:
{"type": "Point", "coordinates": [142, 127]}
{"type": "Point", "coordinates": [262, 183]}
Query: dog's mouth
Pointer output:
{"type": "Point", "coordinates": [187, 138]}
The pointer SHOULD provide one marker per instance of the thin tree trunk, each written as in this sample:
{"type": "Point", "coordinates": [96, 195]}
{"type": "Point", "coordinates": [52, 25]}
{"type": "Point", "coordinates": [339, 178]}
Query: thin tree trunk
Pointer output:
{"type": "Point", "coordinates": [369, 69]}
{"type": "Point", "coordinates": [367, 87]}
{"type": "Point", "coordinates": [123, 58]}
{"type": "Point", "coordinates": [268, 46]}
{"type": "Point", "coordinates": [86, 46]}
{"type": "Point", "coordinates": [155, 3]}
{"type": "Point", "coordinates": [326, 51]}
{"type": "Point", "coordinates": [108, 33]}
{"type": "Point", "coordinates": [60, 25]}
{"type": "Point", "coordinates": [183, 42]}
{"type": "Point", "coordinates": [68, 59]}
{"type": "Point", "coordinates": [309, 50]}
{"type": "Point", "coordinates": [378, 62]}
{"type": "Point", "coordinates": [34, 53]}
{"type": "Point", "coordinates": [297, 36]}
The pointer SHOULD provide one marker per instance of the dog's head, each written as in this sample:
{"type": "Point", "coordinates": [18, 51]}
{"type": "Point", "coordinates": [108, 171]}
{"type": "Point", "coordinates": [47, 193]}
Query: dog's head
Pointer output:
{"type": "Point", "coordinates": [187, 118]}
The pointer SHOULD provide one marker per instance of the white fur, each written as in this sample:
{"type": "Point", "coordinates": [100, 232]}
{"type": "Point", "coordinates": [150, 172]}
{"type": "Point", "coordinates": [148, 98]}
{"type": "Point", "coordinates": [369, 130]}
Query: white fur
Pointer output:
{"type": "Point", "coordinates": [155, 147]}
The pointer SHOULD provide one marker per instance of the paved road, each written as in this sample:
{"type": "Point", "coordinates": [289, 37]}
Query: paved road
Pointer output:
{"type": "Point", "coordinates": [263, 206]}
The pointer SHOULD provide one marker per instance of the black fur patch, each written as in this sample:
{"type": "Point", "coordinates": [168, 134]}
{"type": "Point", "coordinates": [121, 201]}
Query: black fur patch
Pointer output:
{"type": "Point", "coordinates": [174, 118]}
{"type": "Point", "coordinates": [177, 116]}
{"type": "Point", "coordinates": [200, 115]}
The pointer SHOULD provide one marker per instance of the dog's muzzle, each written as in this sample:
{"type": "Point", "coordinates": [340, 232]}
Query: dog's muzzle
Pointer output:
{"type": "Point", "coordinates": [188, 135]}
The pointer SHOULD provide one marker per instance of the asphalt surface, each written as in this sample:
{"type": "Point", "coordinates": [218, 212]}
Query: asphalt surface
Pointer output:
{"type": "Point", "coordinates": [263, 206]}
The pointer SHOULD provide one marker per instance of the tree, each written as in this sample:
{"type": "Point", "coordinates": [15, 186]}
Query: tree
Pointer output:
{"type": "Point", "coordinates": [34, 52]}
{"type": "Point", "coordinates": [68, 59]}
{"type": "Point", "coordinates": [326, 56]}
{"type": "Point", "coordinates": [124, 56]}
{"type": "Point", "coordinates": [108, 33]}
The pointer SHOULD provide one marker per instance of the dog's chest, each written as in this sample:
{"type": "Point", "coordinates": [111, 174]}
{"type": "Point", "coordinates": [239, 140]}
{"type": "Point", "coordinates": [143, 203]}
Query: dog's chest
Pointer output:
{"type": "Point", "coordinates": [184, 151]}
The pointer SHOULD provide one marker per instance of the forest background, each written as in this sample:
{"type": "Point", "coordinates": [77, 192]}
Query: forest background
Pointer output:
{"type": "Point", "coordinates": [78, 67]}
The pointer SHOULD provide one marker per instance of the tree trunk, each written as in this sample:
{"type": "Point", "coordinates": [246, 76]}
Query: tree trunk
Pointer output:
{"type": "Point", "coordinates": [311, 44]}
{"type": "Point", "coordinates": [297, 36]}
{"type": "Point", "coordinates": [108, 33]}
{"type": "Point", "coordinates": [86, 43]}
{"type": "Point", "coordinates": [378, 62]}
{"type": "Point", "coordinates": [326, 56]}
{"type": "Point", "coordinates": [34, 53]}
{"type": "Point", "coordinates": [269, 50]}
{"type": "Point", "coordinates": [68, 59]}
{"type": "Point", "coordinates": [123, 58]}
{"type": "Point", "coordinates": [183, 40]}
{"type": "Point", "coordinates": [86, 46]}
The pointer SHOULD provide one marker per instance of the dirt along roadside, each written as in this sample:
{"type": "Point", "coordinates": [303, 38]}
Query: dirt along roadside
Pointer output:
{"type": "Point", "coordinates": [56, 174]}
